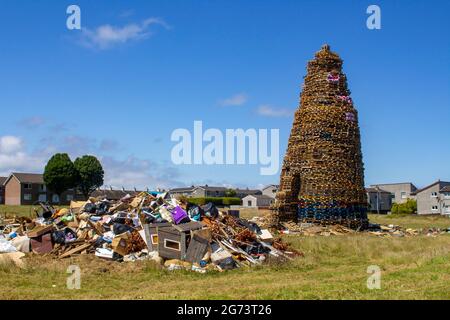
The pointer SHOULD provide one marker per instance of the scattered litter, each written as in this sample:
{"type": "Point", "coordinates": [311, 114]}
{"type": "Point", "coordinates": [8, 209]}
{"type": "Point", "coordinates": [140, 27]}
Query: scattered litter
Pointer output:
{"type": "Point", "coordinates": [309, 229]}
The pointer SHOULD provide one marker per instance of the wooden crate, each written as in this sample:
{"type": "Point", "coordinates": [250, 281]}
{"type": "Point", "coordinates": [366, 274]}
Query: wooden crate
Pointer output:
{"type": "Point", "coordinates": [151, 234]}
{"type": "Point", "coordinates": [173, 240]}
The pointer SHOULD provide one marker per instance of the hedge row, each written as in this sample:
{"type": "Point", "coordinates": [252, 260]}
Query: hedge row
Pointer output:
{"type": "Point", "coordinates": [218, 201]}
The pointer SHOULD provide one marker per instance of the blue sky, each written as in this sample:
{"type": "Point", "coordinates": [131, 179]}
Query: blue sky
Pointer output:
{"type": "Point", "coordinates": [140, 69]}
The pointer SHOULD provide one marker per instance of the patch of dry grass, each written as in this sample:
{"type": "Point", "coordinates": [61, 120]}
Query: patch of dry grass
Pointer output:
{"type": "Point", "coordinates": [411, 221]}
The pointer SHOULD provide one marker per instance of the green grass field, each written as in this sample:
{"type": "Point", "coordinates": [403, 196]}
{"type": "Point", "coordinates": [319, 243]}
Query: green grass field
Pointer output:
{"type": "Point", "coordinates": [333, 267]}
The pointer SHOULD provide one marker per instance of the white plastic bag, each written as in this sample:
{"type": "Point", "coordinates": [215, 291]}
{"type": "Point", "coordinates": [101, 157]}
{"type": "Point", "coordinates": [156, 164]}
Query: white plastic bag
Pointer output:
{"type": "Point", "coordinates": [6, 246]}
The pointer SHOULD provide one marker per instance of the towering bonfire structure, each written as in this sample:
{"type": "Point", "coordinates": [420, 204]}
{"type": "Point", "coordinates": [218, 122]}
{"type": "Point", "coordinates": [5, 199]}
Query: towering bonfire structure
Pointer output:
{"type": "Point", "coordinates": [322, 178]}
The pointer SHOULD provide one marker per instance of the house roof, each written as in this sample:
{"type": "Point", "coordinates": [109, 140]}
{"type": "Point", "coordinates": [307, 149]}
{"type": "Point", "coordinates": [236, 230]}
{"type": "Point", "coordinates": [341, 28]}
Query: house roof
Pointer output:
{"type": "Point", "coordinates": [271, 186]}
{"type": "Point", "coordinates": [206, 187]}
{"type": "Point", "coordinates": [445, 189]}
{"type": "Point", "coordinates": [372, 189]}
{"type": "Point", "coordinates": [27, 177]}
{"type": "Point", "coordinates": [3, 180]}
{"type": "Point", "coordinates": [391, 184]}
{"type": "Point", "coordinates": [209, 188]}
{"type": "Point", "coordinates": [260, 197]}
{"type": "Point", "coordinates": [429, 186]}
{"type": "Point", "coordinates": [248, 191]}
{"type": "Point", "coordinates": [186, 189]}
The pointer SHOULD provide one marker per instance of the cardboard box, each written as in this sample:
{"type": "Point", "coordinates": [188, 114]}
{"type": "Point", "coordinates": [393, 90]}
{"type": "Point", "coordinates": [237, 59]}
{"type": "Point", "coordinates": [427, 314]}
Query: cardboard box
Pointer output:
{"type": "Point", "coordinates": [120, 243]}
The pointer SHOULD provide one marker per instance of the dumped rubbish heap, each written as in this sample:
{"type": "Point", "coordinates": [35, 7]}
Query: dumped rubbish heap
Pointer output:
{"type": "Point", "coordinates": [144, 227]}
{"type": "Point", "coordinates": [322, 177]}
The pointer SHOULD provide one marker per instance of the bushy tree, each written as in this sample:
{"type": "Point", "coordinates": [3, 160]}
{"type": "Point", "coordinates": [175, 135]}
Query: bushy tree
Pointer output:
{"type": "Point", "coordinates": [60, 174]}
{"type": "Point", "coordinates": [230, 193]}
{"type": "Point", "coordinates": [409, 207]}
{"type": "Point", "coordinates": [90, 174]}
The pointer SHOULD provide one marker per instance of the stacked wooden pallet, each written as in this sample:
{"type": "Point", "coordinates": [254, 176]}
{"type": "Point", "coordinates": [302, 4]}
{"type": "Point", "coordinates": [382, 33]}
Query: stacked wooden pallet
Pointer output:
{"type": "Point", "coordinates": [322, 177]}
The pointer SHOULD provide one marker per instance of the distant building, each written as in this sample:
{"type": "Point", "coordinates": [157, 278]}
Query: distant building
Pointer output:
{"type": "Point", "coordinates": [28, 188]}
{"type": "Point", "coordinates": [271, 190]}
{"type": "Point", "coordinates": [257, 201]}
{"type": "Point", "coordinates": [434, 198]}
{"type": "Point", "coordinates": [400, 191]}
{"type": "Point", "coordinates": [187, 192]}
{"type": "Point", "coordinates": [2, 190]}
{"type": "Point", "coordinates": [242, 193]}
{"type": "Point", "coordinates": [380, 201]}
{"type": "Point", "coordinates": [445, 200]}
{"type": "Point", "coordinates": [199, 191]}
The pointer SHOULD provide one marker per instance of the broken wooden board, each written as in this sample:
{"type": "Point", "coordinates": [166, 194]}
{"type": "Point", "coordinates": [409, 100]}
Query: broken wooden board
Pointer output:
{"type": "Point", "coordinates": [75, 250]}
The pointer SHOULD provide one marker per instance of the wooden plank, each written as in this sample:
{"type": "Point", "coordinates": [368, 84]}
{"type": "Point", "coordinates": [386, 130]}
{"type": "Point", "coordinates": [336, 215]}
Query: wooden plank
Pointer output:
{"type": "Point", "coordinates": [75, 250]}
{"type": "Point", "coordinates": [197, 249]}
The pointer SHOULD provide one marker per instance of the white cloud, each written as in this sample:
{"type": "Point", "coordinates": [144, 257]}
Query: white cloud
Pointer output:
{"type": "Point", "coordinates": [129, 173]}
{"type": "Point", "coordinates": [268, 111]}
{"type": "Point", "coordinates": [107, 36]}
{"type": "Point", "coordinates": [13, 157]}
{"type": "Point", "coordinates": [133, 172]}
{"type": "Point", "coordinates": [10, 144]}
{"type": "Point", "coordinates": [236, 100]}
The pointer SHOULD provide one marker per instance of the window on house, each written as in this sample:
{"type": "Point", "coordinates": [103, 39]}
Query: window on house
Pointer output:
{"type": "Point", "coordinates": [434, 208]}
{"type": "Point", "coordinates": [55, 198]}
{"type": "Point", "coordinates": [42, 188]}
{"type": "Point", "coordinates": [42, 197]}
{"type": "Point", "coordinates": [27, 197]}
{"type": "Point", "coordinates": [434, 194]}
{"type": "Point", "coordinates": [27, 186]}
{"type": "Point", "coordinates": [447, 195]}
{"type": "Point", "coordinates": [69, 197]}
{"type": "Point", "coordinates": [403, 195]}
{"type": "Point", "coordinates": [249, 203]}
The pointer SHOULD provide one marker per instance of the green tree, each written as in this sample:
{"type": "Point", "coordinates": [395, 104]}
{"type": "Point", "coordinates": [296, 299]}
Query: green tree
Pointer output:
{"type": "Point", "coordinates": [409, 207]}
{"type": "Point", "coordinates": [230, 193]}
{"type": "Point", "coordinates": [394, 208]}
{"type": "Point", "coordinates": [90, 174]}
{"type": "Point", "coordinates": [60, 174]}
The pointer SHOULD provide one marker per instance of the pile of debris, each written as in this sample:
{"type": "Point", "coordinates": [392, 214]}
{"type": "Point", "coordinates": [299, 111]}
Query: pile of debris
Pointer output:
{"type": "Point", "coordinates": [144, 227]}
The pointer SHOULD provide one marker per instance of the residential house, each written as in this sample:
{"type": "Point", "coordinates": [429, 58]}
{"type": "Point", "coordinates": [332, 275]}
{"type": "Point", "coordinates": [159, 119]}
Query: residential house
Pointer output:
{"type": "Point", "coordinates": [2, 190]}
{"type": "Point", "coordinates": [445, 200]}
{"type": "Point", "coordinates": [28, 188]}
{"type": "Point", "coordinates": [271, 190]}
{"type": "Point", "coordinates": [400, 191]}
{"type": "Point", "coordinates": [199, 192]}
{"type": "Point", "coordinates": [207, 191]}
{"type": "Point", "coordinates": [176, 192]}
{"type": "Point", "coordinates": [380, 201]}
{"type": "Point", "coordinates": [242, 193]}
{"type": "Point", "coordinates": [257, 201]}
{"type": "Point", "coordinates": [432, 198]}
